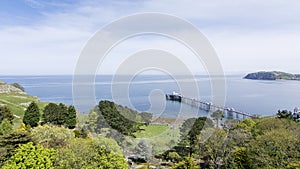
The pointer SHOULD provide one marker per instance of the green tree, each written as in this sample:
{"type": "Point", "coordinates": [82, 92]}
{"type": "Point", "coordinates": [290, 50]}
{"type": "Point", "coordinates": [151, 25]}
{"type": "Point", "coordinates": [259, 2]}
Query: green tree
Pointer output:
{"type": "Point", "coordinates": [30, 156]}
{"type": "Point", "coordinates": [54, 114]}
{"type": "Point", "coordinates": [173, 156]}
{"type": "Point", "coordinates": [217, 115]}
{"type": "Point", "coordinates": [70, 119]}
{"type": "Point", "coordinates": [5, 127]}
{"type": "Point", "coordinates": [85, 153]}
{"type": "Point", "coordinates": [190, 131]}
{"type": "Point", "coordinates": [17, 85]}
{"type": "Point", "coordinates": [5, 113]}
{"type": "Point", "coordinates": [91, 123]}
{"type": "Point", "coordinates": [274, 149]}
{"type": "Point", "coordinates": [82, 133]}
{"type": "Point", "coordinates": [143, 150]}
{"type": "Point", "coordinates": [247, 124]}
{"type": "Point", "coordinates": [284, 114]}
{"type": "Point", "coordinates": [9, 142]}
{"type": "Point", "coordinates": [52, 136]}
{"type": "Point", "coordinates": [32, 115]}
{"type": "Point", "coordinates": [146, 117]}
{"type": "Point", "coordinates": [211, 145]}
{"type": "Point", "coordinates": [110, 144]}
{"type": "Point", "coordinates": [110, 115]}
{"type": "Point", "coordinates": [240, 158]}
{"type": "Point", "coordinates": [187, 163]}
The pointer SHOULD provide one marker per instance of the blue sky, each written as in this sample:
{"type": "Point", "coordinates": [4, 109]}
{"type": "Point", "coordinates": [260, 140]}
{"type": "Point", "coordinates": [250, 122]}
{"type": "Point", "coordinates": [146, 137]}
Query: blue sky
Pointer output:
{"type": "Point", "coordinates": [46, 37]}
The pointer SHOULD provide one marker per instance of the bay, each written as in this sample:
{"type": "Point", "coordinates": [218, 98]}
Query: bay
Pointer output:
{"type": "Point", "coordinates": [146, 93]}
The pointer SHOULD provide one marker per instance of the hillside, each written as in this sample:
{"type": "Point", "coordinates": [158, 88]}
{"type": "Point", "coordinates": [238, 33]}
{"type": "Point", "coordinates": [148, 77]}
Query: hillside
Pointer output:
{"type": "Point", "coordinates": [272, 75]}
{"type": "Point", "coordinates": [16, 100]}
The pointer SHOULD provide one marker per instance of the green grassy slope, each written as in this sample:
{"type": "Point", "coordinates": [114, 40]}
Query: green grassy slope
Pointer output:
{"type": "Point", "coordinates": [16, 100]}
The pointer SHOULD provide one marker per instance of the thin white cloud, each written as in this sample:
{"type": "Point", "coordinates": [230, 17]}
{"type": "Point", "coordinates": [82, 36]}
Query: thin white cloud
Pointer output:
{"type": "Point", "coordinates": [247, 35]}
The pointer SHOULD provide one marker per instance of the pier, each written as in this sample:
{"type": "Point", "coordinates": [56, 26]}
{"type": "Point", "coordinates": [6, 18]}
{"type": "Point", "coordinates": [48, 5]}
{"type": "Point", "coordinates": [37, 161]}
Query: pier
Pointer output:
{"type": "Point", "coordinates": [209, 107]}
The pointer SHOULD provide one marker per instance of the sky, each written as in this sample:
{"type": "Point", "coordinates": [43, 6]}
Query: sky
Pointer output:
{"type": "Point", "coordinates": [39, 37]}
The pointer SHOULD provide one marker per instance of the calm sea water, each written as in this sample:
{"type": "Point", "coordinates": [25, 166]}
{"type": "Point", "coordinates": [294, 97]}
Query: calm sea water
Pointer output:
{"type": "Point", "coordinates": [146, 93]}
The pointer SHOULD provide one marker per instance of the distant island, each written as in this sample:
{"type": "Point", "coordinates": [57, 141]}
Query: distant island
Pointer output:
{"type": "Point", "coordinates": [272, 75]}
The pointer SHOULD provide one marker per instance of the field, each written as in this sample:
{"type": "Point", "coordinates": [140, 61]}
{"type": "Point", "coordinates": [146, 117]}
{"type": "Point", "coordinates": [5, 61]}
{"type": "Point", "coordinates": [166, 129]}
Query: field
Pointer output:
{"type": "Point", "coordinates": [17, 103]}
{"type": "Point", "coordinates": [160, 137]}
{"type": "Point", "coordinates": [152, 130]}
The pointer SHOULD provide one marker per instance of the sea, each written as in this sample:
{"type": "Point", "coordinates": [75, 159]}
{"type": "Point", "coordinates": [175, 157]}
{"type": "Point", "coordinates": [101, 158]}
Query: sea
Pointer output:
{"type": "Point", "coordinates": [146, 93]}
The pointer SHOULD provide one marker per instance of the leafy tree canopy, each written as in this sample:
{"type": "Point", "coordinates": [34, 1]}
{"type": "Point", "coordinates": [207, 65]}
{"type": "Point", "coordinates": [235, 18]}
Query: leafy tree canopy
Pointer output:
{"type": "Point", "coordinates": [30, 156]}
{"type": "Point", "coordinates": [5, 127]}
{"type": "Point", "coordinates": [51, 136]}
{"type": "Point", "coordinates": [5, 113]}
{"type": "Point", "coordinates": [32, 115]}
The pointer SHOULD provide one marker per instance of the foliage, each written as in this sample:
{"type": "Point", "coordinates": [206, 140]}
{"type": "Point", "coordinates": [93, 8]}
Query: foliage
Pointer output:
{"type": "Point", "coordinates": [269, 143]}
{"type": "Point", "coordinates": [17, 85]}
{"type": "Point", "coordinates": [146, 117]}
{"type": "Point", "coordinates": [284, 114]}
{"type": "Point", "coordinates": [60, 115]}
{"type": "Point", "coordinates": [32, 115]}
{"type": "Point", "coordinates": [91, 123]}
{"type": "Point", "coordinates": [82, 133]}
{"type": "Point", "coordinates": [211, 145]}
{"type": "Point", "coordinates": [85, 153]}
{"type": "Point", "coordinates": [173, 156]}
{"type": "Point", "coordinates": [70, 119]}
{"type": "Point", "coordinates": [54, 114]}
{"type": "Point", "coordinates": [240, 158]}
{"type": "Point", "coordinates": [187, 163]}
{"type": "Point", "coordinates": [217, 115]}
{"type": "Point", "coordinates": [143, 150]}
{"type": "Point", "coordinates": [274, 149]}
{"type": "Point", "coordinates": [110, 144]}
{"type": "Point", "coordinates": [51, 136]}
{"type": "Point", "coordinates": [5, 127]}
{"type": "Point", "coordinates": [247, 124]}
{"type": "Point", "coordinates": [191, 129]}
{"type": "Point", "coordinates": [5, 113]}
{"type": "Point", "coordinates": [110, 115]}
{"type": "Point", "coordinates": [9, 142]}
{"type": "Point", "coordinates": [30, 156]}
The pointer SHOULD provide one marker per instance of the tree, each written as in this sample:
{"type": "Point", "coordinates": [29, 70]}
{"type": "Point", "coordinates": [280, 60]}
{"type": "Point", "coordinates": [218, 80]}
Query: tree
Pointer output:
{"type": "Point", "coordinates": [85, 153]}
{"type": "Point", "coordinates": [53, 114]}
{"type": "Point", "coordinates": [284, 114]}
{"type": "Point", "coordinates": [60, 115]}
{"type": "Point", "coordinates": [5, 113]}
{"type": "Point", "coordinates": [146, 117]}
{"type": "Point", "coordinates": [247, 124]}
{"type": "Point", "coordinates": [110, 144]}
{"type": "Point", "coordinates": [9, 142]}
{"type": "Point", "coordinates": [5, 127]}
{"type": "Point", "coordinates": [240, 158]}
{"type": "Point", "coordinates": [187, 163]}
{"type": "Point", "coordinates": [110, 115]}
{"type": "Point", "coordinates": [173, 156]}
{"type": "Point", "coordinates": [32, 115]}
{"type": "Point", "coordinates": [70, 119]}
{"type": "Point", "coordinates": [189, 132]}
{"type": "Point", "coordinates": [217, 115]}
{"type": "Point", "coordinates": [142, 150]}
{"type": "Point", "coordinates": [30, 156]}
{"type": "Point", "coordinates": [17, 85]}
{"type": "Point", "coordinates": [212, 146]}
{"type": "Point", "coordinates": [52, 136]}
{"type": "Point", "coordinates": [274, 149]}
{"type": "Point", "coordinates": [82, 133]}
{"type": "Point", "coordinates": [91, 123]}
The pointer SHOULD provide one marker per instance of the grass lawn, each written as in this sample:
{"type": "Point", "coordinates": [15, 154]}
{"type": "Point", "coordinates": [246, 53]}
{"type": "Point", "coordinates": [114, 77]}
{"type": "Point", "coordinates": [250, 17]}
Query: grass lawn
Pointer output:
{"type": "Point", "coordinates": [17, 103]}
{"type": "Point", "coordinates": [151, 130]}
